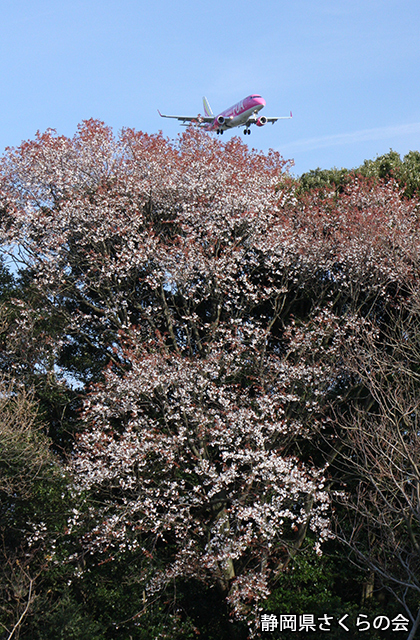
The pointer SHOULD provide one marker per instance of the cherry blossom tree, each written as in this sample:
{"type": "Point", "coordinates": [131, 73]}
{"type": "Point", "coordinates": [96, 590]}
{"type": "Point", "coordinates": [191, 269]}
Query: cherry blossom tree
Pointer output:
{"type": "Point", "coordinates": [188, 458]}
{"type": "Point", "coordinates": [203, 304]}
{"type": "Point", "coordinates": [107, 226]}
{"type": "Point", "coordinates": [175, 238]}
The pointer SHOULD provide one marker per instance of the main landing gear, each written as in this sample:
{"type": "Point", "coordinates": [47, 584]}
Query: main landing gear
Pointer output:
{"type": "Point", "coordinates": [219, 131]}
{"type": "Point", "coordinates": [247, 131]}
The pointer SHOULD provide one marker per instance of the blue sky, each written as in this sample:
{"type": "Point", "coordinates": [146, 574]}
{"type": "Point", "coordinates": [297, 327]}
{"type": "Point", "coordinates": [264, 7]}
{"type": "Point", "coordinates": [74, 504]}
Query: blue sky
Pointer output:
{"type": "Point", "coordinates": [348, 69]}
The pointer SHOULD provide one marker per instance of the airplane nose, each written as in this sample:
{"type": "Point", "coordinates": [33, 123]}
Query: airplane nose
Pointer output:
{"type": "Point", "coordinates": [260, 101]}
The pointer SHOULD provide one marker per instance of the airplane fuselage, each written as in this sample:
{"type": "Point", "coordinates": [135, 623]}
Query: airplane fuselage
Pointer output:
{"type": "Point", "coordinates": [237, 115]}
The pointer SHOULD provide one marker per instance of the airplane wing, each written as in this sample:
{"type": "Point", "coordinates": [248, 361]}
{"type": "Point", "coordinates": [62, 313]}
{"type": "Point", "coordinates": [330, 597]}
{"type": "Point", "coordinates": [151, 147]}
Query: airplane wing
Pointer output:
{"type": "Point", "coordinates": [185, 120]}
{"type": "Point", "coordinates": [271, 119]}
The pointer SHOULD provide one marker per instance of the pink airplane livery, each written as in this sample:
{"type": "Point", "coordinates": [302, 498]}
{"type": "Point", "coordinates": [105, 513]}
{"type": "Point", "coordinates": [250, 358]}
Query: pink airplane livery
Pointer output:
{"type": "Point", "coordinates": [242, 114]}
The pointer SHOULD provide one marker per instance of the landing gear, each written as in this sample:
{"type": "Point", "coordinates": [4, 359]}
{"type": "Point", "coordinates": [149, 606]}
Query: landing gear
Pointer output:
{"type": "Point", "coordinates": [247, 131]}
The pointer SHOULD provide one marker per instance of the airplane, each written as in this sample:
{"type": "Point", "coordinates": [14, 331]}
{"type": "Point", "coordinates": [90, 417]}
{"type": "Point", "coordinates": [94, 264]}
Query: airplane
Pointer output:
{"type": "Point", "coordinates": [242, 114]}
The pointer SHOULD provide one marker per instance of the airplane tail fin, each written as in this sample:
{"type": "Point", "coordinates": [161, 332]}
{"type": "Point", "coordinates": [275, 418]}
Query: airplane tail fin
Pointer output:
{"type": "Point", "coordinates": [207, 108]}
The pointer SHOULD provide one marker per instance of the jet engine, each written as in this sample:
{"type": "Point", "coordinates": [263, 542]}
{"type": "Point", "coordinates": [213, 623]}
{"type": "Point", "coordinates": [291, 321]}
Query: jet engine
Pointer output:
{"type": "Point", "coordinates": [221, 120]}
{"type": "Point", "coordinates": [261, 121]}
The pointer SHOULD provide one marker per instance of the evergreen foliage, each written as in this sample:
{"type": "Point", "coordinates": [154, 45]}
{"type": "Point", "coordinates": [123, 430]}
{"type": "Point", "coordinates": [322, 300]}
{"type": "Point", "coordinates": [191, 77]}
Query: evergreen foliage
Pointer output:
{"type": "Point", "coordinates": [390, 166]}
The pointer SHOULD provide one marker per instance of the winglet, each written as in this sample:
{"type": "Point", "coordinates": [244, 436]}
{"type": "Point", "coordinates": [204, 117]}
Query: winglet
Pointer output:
{"type": "Point", "coordinates": [291, 114]}
{"type": "Point", "coordinates": [160, 113]}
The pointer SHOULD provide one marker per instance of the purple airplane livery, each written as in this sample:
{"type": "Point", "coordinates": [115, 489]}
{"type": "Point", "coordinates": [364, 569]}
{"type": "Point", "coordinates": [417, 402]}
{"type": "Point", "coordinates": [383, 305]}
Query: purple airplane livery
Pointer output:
{"type": "Point", "coordinates": [242, 114]}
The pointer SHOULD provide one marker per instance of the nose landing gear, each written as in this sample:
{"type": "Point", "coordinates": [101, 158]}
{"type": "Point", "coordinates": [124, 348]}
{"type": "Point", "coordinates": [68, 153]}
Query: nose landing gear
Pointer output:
{"type": "Point", "coordinates": [247, 131]}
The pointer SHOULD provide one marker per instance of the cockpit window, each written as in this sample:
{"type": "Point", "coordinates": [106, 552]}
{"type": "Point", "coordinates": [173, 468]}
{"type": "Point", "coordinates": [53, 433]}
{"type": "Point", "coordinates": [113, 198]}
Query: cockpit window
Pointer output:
{"type": "Point", "coordinates": [255, 96]}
